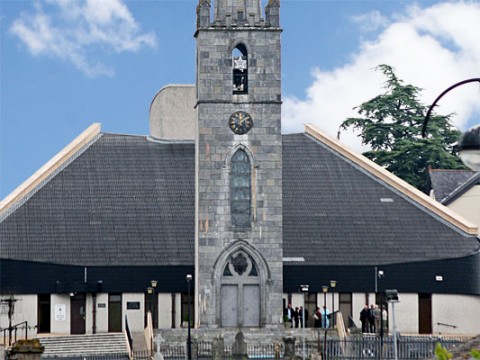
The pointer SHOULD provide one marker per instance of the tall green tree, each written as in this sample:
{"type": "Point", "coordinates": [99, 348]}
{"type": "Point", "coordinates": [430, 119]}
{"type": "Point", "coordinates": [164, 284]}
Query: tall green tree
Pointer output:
{"type": "Point", "coordinates": [391, 125]}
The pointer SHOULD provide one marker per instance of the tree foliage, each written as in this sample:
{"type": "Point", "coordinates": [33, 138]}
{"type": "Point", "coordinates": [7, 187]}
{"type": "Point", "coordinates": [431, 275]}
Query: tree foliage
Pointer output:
{"type": "Point", "coordinates": [391, 125]}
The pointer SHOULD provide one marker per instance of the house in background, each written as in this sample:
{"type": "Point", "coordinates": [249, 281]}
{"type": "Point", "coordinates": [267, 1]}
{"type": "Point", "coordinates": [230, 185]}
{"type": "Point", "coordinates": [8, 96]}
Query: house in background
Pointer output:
{"type": "Point", "coordinates": [217, 191]}
{"type": "Point", "coordinates": [459, 190]}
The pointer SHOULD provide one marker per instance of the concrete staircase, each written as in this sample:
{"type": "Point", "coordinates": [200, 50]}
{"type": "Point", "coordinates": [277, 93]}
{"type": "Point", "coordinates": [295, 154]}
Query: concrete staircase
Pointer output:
{"type": "Point", "coordinates": [83, 345]}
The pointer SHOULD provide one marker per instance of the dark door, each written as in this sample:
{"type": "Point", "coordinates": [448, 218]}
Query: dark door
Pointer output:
{"type": "Point", "coordinates": [77, 315]}
{"type": "Point", "coordinates": [114, 313]}
{"type": "Point", "coordinates": [43, 308]}
{"type": "Point", "coordinates": [424, 313]}
{"type": "Point", "coordinates": [345, 303]}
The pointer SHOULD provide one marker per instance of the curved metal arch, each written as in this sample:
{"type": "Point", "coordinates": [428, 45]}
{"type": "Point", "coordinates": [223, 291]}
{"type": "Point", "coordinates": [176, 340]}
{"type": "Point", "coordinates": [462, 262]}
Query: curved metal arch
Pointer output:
{"type": "Point", "coordinates": [427, 117]}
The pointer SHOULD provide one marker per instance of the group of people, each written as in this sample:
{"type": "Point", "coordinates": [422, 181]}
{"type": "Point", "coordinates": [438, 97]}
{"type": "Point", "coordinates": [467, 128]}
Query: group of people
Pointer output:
{"type": "Point", "coordinates": [295, 317]}
{"type": "Point", "coordinates": [372, 318]}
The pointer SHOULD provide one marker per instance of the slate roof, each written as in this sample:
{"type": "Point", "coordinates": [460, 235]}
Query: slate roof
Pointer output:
{"type": "Point", "coordinates": [126, 201]}
{"type": "Point", "coordinates": [336, 213]}
{"type": "Point", "coordinates": [444, 182]}
{"type": "Point", "coordinates": [467, 185]}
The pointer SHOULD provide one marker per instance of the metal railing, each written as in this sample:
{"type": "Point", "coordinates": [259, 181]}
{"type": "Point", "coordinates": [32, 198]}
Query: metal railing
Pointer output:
{"type": "Point", "coordinates": [353, 348]}
{"type": "Point", "coordinates": [12, 332]}
{"type": "Point", "coordinates": [358, 348]}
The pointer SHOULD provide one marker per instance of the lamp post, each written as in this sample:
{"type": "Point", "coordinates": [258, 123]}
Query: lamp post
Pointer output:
{"type": "Point", "coordinates": [304, 290]}
{"type": "Point", "coordinates": [189, 339]}
{"type": "Point", "coordinates": [333, 284]}
{"type": "Point", "coordinates": [324, 319]}
{"type": "Point", "coordinates": [469, 145]}
{"type": "Point", "coordinates": [154, 315]}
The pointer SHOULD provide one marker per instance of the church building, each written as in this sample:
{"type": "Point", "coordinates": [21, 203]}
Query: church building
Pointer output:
{"type": "Point", "coordinates": [109, 228]}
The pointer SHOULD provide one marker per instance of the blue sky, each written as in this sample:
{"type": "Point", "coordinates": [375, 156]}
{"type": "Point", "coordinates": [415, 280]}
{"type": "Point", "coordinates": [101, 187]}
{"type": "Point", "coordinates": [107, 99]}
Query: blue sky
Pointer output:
{"type": "Point", "coordinates": [65, 64]}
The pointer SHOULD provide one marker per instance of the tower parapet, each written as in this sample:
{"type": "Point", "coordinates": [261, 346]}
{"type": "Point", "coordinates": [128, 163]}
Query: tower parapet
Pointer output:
{"type": "Point", "coordinates": [238, 13]}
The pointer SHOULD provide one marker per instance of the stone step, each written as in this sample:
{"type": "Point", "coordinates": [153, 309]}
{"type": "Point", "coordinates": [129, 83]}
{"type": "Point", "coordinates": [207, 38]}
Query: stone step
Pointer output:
{"type": "Point", "coordinates": [62, 346]}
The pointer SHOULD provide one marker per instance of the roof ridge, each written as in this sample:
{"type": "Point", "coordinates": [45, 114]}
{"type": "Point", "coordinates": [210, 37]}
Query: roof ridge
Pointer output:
{"type": "Point", "coordinates": [472, 180]}
{"type": "Point", "coordinates": [50, 167]}
{"type": "Point", "coordinates": [394, 181]}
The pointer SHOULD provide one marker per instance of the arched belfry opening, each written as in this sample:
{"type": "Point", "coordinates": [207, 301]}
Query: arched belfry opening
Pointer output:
{"type": "Point", "coordinates": [242, 279]}
{"type": "Point", "coordinates": [240, 69]}
{"type": "Point", "coordinates": [240, 190]}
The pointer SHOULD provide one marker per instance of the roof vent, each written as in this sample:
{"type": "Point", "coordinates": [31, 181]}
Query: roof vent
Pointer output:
{"type": "Point", "coordinates": [386, 200]}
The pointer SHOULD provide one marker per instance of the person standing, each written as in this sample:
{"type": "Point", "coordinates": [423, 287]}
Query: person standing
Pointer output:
{"type": "Point", "coordinates": [385, 320]}
{"type": "Point", "coordinates": [318, 318]}
{"type": "Point", "coordinates": [289, 314]}
{"type": "Point", "coordinates": [364, 319]}
{"type": "Point", "coordinates": [377, 314]}
{"type": "Point", "coordinates": [296, 316]}
{"type": "Point", "coordinates": [325, 319]}
{"type": "Point", "coordinates": [371, 319]}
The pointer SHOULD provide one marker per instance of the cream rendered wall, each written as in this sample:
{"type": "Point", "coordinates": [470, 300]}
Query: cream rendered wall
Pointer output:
{"type": "Point", "coordinates": [89, 314]}
{"type": "Point", "coordinates": [468, 205]}
{"type": "Point", "coordinates": [135, 317]}
{"type": "Point", "coordinates": [358, 302]}
{"type": "Point", "coordinates": [297, 300]}
{"type": "Point", "coordinates": [406, 314]}
{"type": "Point", "coordinates": [178, 311]}
{"type": "Point", "coordinates": [60, 326]}
{"type": "Point", "coordinates": [462, 311]}
{"type": "Point", "coordinates": [164, 308]}
{"type": "Point", "coordinates": [102, 313]}
{"type": "Point", "coordinates": [25, 309]}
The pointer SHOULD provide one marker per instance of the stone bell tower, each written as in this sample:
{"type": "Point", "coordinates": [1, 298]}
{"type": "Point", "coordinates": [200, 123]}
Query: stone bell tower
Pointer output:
{"type": "Point", "coordinates": [239, 280]}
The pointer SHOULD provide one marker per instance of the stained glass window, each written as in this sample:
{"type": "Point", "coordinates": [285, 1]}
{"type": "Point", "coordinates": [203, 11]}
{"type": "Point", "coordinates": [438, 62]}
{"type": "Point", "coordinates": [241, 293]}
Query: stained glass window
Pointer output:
{"type": "Point", "coordinates": [240, 189]}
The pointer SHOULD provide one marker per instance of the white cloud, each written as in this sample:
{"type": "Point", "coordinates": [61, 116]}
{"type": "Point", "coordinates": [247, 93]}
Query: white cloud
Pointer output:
{"type": "Point", "coordinates": [371, 21]}
{"type": "Point", "coordinates": [70, 30]}
{"type": "Point", "coordinates": [431, 48]}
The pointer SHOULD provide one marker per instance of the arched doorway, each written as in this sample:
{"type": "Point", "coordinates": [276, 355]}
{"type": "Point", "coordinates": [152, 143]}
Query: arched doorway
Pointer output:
{"type": "Point", "coordinates": [240, 292]}
{"type": "Point", "coordinates": [243, 278]}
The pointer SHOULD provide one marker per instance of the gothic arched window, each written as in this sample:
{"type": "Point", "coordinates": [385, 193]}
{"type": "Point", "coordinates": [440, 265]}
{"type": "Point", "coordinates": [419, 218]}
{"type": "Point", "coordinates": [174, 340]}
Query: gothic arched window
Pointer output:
{"type": "Point", "coordinates": [240, 189]}
{"type": "Point", "coordinates": [240, 69]}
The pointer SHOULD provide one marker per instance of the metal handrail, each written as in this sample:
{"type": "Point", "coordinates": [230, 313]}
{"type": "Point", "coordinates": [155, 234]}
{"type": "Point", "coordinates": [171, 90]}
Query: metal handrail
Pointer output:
{"type": "Point", "coordinates": [13, 329]}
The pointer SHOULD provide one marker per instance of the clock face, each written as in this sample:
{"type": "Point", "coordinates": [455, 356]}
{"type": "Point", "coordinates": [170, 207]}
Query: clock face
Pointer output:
{"type": "Point", "coordinates": [240, 122]}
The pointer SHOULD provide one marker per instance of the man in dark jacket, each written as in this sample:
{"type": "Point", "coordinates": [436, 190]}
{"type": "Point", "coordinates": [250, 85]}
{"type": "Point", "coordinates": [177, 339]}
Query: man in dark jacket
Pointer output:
{"type": "Point", "coordinates": [364, 319]}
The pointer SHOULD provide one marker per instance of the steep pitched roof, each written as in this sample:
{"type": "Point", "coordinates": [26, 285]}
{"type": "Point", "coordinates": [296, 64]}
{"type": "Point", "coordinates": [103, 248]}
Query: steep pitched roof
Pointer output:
{"type": "Point", "coordinates": [123, 201]}
{"type": "Point", "coordinates": [341, 209]}
{"type": "Point", "coordinates": [126, 200]}
{"type": "Point", "coordinates": [444, 182]}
